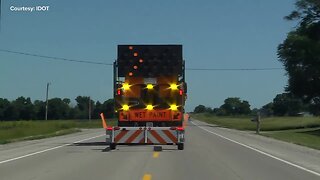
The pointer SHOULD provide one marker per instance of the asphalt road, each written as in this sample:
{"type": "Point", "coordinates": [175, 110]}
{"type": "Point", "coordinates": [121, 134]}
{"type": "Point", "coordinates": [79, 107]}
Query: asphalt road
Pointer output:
{"type": "Point", "coordinates": [210, 153]}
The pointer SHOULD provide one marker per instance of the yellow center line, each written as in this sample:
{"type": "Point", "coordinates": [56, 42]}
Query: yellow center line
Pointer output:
{"type": "Point", "coordinates": [155, 154]}
{"type": "Point", "coordinates": [147, 177]}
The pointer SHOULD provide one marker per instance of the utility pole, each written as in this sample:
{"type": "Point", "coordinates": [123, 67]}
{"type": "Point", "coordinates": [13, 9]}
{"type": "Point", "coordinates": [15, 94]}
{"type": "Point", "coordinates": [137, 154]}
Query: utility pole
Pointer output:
{"type": "Point", "coordinates": [258, 123]}
{"type": "Point", "coordinates": [89, 108]}
{"type": "Point", "coordinates": [47, 101]}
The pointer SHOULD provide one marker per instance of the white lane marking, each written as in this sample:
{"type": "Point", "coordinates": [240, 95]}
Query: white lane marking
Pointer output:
{"type": "Point", "coordinates": [259, 151]}
{"type": "Point", "coordinates": [42, 151]}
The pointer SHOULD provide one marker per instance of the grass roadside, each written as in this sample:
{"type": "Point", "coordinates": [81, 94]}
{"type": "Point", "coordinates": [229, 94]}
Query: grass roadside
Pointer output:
{"type": "Point", "coordinates": [12, 131]}
{"type": "Point", "coordinates": [309, 137]}
{"type": "Point", "coordinates": [298, 130]}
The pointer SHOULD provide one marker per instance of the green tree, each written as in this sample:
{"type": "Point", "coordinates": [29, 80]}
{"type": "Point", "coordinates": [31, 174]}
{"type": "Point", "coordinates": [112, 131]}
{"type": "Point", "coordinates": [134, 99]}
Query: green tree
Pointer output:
{"type": "Point", "coordinates": [74, 113]}
{"type": "Point", "coordinates": [108, 108]}
{"type": "Point", "coordinates": [300, 52]}
{"type": "Point", "coordinates": [23, 109]}
{"type": "Point", "coordinates": [267, 110]}
{"type": "Point", "coordinates": [286, 104]}
{"type": "Point", "coordinates": [209, 110]}
{"type": "Point", "coordinates": [199, 109]}
{"type": "Point", "coordinates": [4, 105]}
{"type": "Point", "coordinates": [234, 106]}
{"type": "Point", "coordinates": [83, 107]}
{"type": "Point", "coordinates": [58, 109]}
{"type": "Point", "coordinates": [314, 107]}
{"type": "Point", "coordinates": [12, 113]}
{"type": "Point", "coordinates": [40, 109]}
{"type": "Point", "coordinates": [280, 105]}
{"type": "Point", "coordinates": [244, 108]}
{"type": "Point", "coordinates": [254, 111]}
{"type": "Point", "coordinates": [97, 110]}
{"type": "Point", "coordinates": [307, 12]}
{"type": "Point", "coordinates": [220, 112]}
{"type": "Point", "coordinates": [66, 100]}
{"type": "Point", "coordinates": [82, 102]}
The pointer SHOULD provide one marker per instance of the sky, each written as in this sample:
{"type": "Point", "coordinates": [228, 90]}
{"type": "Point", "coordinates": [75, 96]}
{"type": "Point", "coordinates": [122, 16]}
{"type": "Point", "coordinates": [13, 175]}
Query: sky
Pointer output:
{"type": "Point", "coordinates": [214, 34]}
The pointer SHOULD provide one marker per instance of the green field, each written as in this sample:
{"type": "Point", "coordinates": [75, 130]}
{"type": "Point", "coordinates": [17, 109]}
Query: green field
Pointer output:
{"type": "Point", "coordinates": [299, 130]}
{"type": "Point", "coordinates": [307, 137]}
{"type": "Point", "coordinates": [267, 124]}
{"type": "Point", "coordinates": [11, 131]}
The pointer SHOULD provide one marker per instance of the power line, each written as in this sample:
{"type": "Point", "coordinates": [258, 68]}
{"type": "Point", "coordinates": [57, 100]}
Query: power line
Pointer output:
{"type": "Point", "coordinates": [233, 69]}
{"type": "Point", "coordinates": [110, 64]}
{"type": "Point", "coordinates": [0, 13]}
{"type": "Point", "coordinates": [56, 58]}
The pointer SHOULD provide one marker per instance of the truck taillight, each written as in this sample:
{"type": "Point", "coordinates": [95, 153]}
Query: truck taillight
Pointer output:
{"type": "Point", "coordinates": [119, 92]}
{"type": "Point", "coordinates": [109, 128]}
{"type": "Point", "coordinates": [180, 128]}
{"type": "Point", "coordinates": [181, 92]}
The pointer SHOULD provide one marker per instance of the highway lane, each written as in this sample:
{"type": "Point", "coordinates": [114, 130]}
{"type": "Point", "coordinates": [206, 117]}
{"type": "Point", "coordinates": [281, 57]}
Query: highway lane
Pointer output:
{"type": "Point", "coordinates": [206, 156]}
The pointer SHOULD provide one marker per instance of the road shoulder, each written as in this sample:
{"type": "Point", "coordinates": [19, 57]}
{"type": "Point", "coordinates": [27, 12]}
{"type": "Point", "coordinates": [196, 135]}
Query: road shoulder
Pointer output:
{"type": "Point", "coordinates": [25, 148]}
{"type": "Point", "coordinates": [300, 155]}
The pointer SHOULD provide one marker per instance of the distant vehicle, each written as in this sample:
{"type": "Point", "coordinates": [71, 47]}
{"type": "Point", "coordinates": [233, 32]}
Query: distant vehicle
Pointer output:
{"type": "Point", "coordinates": [150, 94]}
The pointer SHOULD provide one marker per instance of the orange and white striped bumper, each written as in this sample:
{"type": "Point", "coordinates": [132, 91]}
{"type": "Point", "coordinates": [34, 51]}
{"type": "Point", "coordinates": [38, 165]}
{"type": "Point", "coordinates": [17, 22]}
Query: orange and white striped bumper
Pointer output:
{"type": "Point", "coordinates": [145, 135]}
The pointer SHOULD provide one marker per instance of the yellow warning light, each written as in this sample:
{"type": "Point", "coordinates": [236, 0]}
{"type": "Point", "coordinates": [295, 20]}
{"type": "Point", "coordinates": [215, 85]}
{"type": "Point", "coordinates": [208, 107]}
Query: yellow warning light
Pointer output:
{"type": "Point", "coordinates": [149, 107]}
{"type": "Point", "coordinates": [130, 74]}
{"type": "Point", "coordinates": [126, 86]}
{"type": "Point", "coordinates": [125, 107]}
{"type": "Point", "coordinates": [173, 107]}
{"type": "Point", "coordinates": [149, 86]}
{"type": "Point", "coordinates": [173, 86]}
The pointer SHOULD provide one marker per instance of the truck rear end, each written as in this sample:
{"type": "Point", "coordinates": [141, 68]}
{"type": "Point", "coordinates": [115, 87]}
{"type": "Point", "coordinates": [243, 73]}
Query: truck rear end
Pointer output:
{"type": "Point", "coordinates": [149, 94]}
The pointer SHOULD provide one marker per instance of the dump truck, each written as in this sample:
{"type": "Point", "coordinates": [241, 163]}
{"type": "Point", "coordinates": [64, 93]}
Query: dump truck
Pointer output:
{"type": "Point", "coordinates": [149, 96]}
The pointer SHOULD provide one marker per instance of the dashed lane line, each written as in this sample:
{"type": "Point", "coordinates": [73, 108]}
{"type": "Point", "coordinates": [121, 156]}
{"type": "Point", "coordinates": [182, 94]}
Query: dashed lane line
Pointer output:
{"type": "Point", "coordinates": [155, 155]}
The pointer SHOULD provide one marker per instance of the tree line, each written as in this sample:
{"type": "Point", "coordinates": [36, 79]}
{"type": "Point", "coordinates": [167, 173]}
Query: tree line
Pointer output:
{"type": "Point", "coordinates": [232, 106]}
{"type": "Point", "coordinates": [284, 104]}
{"type": "Point", "coordinates": [24, 109]}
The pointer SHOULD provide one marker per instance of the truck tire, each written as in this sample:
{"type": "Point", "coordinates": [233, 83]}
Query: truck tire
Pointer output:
{"type": "Point", "coordinates": [112, 146]}
{"type": "Point", "coordinates": [180, 146]}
